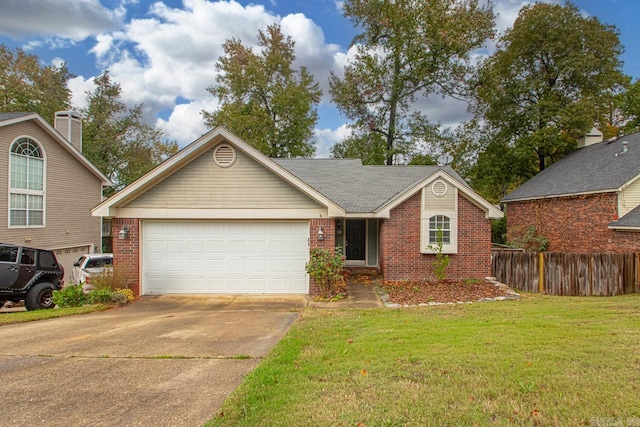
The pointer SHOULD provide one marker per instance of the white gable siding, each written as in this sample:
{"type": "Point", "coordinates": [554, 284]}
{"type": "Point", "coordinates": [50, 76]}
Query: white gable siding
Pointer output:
{"type": "Point", "coordinates": [629, 198]}
{"type": "Point", "coordinates": [204, 185]}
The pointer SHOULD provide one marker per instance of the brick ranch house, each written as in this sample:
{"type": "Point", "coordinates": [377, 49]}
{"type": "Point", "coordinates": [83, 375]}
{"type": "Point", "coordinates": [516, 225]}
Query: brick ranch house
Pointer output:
{"type": "Point", "coordinates": [589, 201]}
{"type": "Point", "coordinates": [220, 217]}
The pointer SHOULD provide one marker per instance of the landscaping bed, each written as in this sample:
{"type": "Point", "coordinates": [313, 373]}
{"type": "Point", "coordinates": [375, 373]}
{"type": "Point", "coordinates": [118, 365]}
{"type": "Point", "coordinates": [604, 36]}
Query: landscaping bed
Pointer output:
{"type": "Point", "coordinates": [411, 292]}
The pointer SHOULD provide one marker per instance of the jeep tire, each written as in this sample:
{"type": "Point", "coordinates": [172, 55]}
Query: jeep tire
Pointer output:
{"type": "Point", "coordinates": [39, 296]}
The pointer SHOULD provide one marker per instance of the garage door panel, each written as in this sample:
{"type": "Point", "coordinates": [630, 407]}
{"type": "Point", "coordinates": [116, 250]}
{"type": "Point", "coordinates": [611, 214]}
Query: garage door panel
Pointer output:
{"type": "Point", "coordinates": [298, 248]}
{"type": "Point", "coordinates": [299, 285]}
{"type": "Point", "coordinates": [215, 265]}
{"type": "Point", "coordinates": [218, 257]}
{"type": "Point", "coordinates": [216, 246]}
{"type": "Point", "coordinates": [237, 246]}
{"type": "Point", "coordinates": [278, 247]}
{"type": "Point", "coordinates": [256, 247]}
{"type": "Point", "coordinates": [257, 265]}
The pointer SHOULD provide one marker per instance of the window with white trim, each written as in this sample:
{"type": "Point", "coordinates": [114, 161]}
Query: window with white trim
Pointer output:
{"type": "Point", "coordinates": [26, 184]}
{"type": "Point", "coordinates": [439, 224]}
{"type": "Point", "coordinates": [439, 214]}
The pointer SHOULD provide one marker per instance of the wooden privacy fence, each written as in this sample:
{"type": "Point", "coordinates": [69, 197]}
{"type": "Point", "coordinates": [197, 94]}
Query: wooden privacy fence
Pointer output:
{"type": "Point", "coordinates": [569, 273]}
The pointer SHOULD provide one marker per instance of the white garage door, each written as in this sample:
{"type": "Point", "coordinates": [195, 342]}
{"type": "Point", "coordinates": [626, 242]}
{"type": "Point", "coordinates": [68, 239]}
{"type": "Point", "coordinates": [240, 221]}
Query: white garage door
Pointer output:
{"type": "Point", "coordinates": [230, 257]}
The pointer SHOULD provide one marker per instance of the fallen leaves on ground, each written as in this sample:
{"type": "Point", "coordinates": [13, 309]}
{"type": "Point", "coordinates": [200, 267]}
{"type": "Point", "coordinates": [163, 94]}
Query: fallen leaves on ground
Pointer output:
{"type": "Point", "coordinates": [442, 291]}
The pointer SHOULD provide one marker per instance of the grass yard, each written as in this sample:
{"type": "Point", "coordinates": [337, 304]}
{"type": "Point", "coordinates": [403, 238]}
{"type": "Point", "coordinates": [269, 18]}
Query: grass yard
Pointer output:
{"type": "Point", "coordinates": [10, 318]}
{"type": "Point", "coordinates": [538, 361]}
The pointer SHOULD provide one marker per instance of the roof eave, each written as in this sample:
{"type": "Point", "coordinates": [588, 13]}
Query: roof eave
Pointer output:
{"type": "Point", "coordinates": [491, 211]}
{"type": "Point", "coordinates": [195, 149]}
{"type": "Point", "coordinates": [106, 182]}
{"type": "Point", "coordinates": [555, 196]}
{"type": "Point", "coordinates": [624, 227]}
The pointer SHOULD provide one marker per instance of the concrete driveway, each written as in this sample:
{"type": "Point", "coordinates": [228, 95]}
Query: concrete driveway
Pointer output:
{"type": "Point", "coordinates": [163, 361]}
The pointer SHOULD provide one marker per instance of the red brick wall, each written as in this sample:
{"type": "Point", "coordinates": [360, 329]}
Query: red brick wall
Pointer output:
{"type": "Point", "coordinates": [400, 256]}
{"type": "Point", "coordinates": [329, 242]}
{"type": "Point", "coordinates": [572, 224]}
{"type": "Point", "coordinates": [126, 252]}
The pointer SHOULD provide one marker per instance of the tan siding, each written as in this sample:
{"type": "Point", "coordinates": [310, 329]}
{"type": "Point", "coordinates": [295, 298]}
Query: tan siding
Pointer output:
{"type": "Point", "coordinates": [71, 191]}
{"type": "Point", "coordinates": [629, 198]}
{"type": "Point", "coordinates": [443, 203]}
{"type": "Point", "coordinates": [71, 131]}
{"type": "Point", "coordinates": [204, 185]}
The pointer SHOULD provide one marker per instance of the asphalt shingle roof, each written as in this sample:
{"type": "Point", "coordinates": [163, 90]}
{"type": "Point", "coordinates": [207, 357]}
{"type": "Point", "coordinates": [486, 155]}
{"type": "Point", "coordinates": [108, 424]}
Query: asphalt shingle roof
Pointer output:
{"type": "Point", "coordinates": [631, 219]}
{"type": "Point", "coordinates": [358, 188]}
{"type": "Point", "coordinates": [600, 167]}
{"type": "Point", "coordinates": [9, 116]}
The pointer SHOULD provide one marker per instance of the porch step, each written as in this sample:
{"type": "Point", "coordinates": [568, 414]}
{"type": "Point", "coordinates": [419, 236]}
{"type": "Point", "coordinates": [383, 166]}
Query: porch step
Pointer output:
{"type": "Point", "coordinates": [363, 271]}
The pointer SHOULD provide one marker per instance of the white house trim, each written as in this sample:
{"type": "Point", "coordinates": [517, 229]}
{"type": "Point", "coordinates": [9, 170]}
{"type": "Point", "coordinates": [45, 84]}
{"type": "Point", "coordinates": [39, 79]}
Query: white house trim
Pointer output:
{"type": "Point", "coordinates": [491, 211]}
{"type": "Point", "coordinates": [195, 149]}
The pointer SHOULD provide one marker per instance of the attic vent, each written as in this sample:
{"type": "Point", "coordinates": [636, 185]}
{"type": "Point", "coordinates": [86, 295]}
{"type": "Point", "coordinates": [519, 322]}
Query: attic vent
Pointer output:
{"type": "Point", "coordinates": [439, 188]}
{"type": "Point", "coordinates": [224, 156]}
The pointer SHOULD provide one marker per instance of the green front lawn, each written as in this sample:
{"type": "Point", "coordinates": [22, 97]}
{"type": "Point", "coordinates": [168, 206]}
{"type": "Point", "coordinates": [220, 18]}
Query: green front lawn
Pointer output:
{"type": "Point", "coordinates": [538, 361]}
{"type": "Point", "coordinates": [9, 318]}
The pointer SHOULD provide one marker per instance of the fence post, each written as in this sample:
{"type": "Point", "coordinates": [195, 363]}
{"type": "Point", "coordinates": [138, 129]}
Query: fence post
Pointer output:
{"type": "Point", "coordinates": [541, 272]}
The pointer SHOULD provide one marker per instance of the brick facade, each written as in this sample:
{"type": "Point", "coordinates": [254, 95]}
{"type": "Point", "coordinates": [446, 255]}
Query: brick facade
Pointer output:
{"type": "Point", "coordinates": [126, 252]}
{"type": "Point", "coordinates": [572, 224]}
{"type": "Point", "coordinates": [328, 228]}
{"type": "Point", "coordinates": [400, 256]}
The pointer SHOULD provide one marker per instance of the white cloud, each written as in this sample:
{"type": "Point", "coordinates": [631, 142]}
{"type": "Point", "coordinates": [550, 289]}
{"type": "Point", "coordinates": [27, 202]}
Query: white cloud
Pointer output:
{"type": "Point", "coordinates": [185, 123]}
{"type": "Point", "coordinates": [166, 58]}
{"type": "Point", "coordinates": [327, 138]}
{"type": "Point", "coordinates": [67, 19]}
{"type": "Point", "coordinates": [79, 86]}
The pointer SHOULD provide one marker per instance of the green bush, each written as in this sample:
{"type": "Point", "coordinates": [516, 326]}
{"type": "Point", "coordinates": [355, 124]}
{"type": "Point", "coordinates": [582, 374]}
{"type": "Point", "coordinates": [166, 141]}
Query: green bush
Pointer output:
{"type": "Point", "coordinates": [109, 278]}
{"type": "Point", "coordinates": [119, 298]}
{"type": "Point", "coordinates": [70, 296]}
{"type": "Point", "coordinates": [325, 267]}
{"type": "Point", "coordinates": [442, 260]}
{"type": "Point", "coordinates": [100, 296]}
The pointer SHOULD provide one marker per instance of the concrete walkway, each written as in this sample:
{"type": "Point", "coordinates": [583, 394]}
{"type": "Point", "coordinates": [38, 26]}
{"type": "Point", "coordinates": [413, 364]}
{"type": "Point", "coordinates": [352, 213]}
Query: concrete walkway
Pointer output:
{"type": "Point", "coordinates": [360, 296]}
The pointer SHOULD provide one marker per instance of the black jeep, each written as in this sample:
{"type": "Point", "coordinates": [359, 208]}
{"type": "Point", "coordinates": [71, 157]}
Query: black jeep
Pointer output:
{"type": "Point", "coordinates": [29, 274]}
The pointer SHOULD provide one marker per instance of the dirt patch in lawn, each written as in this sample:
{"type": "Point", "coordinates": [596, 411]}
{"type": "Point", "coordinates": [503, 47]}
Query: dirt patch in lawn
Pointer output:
{"type": "Point", "coordinates": [441, 291]}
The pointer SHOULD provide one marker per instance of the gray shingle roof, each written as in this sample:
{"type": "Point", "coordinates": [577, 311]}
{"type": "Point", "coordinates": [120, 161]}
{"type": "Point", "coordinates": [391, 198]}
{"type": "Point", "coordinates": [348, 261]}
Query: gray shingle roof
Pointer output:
{"type": "Point", "coordinates": [631, 219]}
{"type": "Point", "coordinates": [9, 116]}
{"type": "Point", "coordinates": [591, 169]}
{"type": "Point", "coordinates": [358, 188]}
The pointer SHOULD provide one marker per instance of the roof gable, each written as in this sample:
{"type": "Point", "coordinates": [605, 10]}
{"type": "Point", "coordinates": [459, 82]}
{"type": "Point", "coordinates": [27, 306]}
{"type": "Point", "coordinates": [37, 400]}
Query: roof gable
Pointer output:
{"type": "Point", "coordinates": [194, 151]}
{"type": "Point", "coordinates": [597, 168]}
{"type": "Point", "coordinates": [374, 190]}
{"type": "Point", "coordinates": [631, 221]}
{"type": "Point", "coordinates": [203, 184]}
{"type": "Point", "coordinates": [8, 119]}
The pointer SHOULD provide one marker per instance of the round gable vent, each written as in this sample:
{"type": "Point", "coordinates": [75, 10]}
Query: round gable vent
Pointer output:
{"type": "Point", "coordinates": [439, 188]}
{"type": "Point", "coordinates": [224, 155]}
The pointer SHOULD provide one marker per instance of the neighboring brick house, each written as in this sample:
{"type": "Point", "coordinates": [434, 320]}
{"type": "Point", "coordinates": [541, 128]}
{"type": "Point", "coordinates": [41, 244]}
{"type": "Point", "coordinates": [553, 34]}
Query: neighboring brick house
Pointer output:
{"type": "Point", "coordinates": [47, 187]}
{"type": "Point", "coordinates": [220, 217]}
{"type": "Point", "coordinates": [587, 202]}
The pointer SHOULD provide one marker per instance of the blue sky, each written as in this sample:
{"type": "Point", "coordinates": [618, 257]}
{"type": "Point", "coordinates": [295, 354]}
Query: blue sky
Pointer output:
{"type": "Point", "coordinates": [163, 52]}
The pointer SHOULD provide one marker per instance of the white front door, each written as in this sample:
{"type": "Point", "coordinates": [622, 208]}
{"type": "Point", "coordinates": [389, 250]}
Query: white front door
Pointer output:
{"type": "Point", "coordinates": [224, 257]}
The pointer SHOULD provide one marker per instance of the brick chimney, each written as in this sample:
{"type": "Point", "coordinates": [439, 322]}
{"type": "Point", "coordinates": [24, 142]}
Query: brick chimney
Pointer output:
{"type": "Point", "coordinates": [593, 137]}
{"type": "Point", "coordinates": [69, 124]}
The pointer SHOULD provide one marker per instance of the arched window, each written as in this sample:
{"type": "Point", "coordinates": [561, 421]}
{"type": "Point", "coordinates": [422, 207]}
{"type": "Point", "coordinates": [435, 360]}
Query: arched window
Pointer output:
{"type": "Point", "coordinates": [26, 184]}
{"type": "Point", "coordinates": [437, 224]}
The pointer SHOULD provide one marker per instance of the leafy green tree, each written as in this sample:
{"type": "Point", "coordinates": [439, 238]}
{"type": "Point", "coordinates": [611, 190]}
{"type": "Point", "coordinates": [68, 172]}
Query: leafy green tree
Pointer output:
{"type": "Point", "coordinates": [264, 100]}
{"type": "Point", "coordinates": [116, 139]}
{"type": "Point", "coordinates": [370, 149]}
{"type": "Point", "coordinates": [543, 88]}
{"type": "Point", "coordinates": [407, 49]}
{"type": "Point", "coordinates": [630, 102]}
{"type": "Point", "coordinates": [28, 86]}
